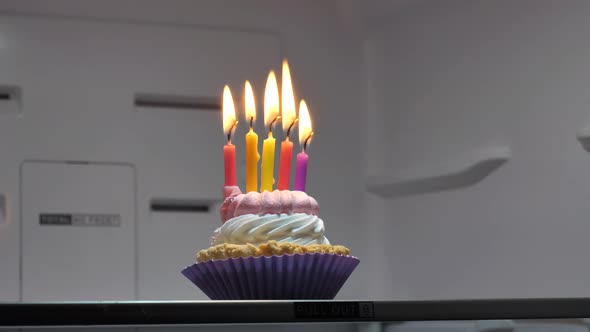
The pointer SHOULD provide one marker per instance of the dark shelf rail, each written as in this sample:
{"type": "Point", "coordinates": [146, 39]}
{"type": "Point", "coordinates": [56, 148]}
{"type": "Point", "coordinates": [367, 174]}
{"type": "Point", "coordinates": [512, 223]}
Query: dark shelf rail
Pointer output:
{"type": "Point", "coordinates": [140, 313]}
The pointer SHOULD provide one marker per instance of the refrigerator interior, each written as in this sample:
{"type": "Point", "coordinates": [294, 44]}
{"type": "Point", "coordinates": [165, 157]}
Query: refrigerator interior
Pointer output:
{"type": "Point", "coordinates": [450, 149]}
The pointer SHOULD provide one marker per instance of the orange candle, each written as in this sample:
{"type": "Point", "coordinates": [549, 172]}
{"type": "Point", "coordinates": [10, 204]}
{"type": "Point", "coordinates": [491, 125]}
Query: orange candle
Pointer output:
{"type": "Point", "coordinates": [229, 125]}
{"type": "Point", "coordinates": [252, 155]}
{"type": "Point", "coordinates": [289, 120]}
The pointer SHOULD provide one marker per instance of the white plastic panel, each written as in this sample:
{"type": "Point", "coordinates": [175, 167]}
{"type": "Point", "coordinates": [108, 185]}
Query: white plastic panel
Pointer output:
{"type": "Point", "coordinates": [9, 253]}
{"type": "Point", "coordinates": [458, 76]}
{"type": "Point", "coordinates": [170, 245]}
{"type": "Point", "coordinates": [435, 326]}
{"type": "Point", "coordinates": [78, 78]}
{"type": "Point", "coordinates": [76, 262]}
{"type": "Point", "coordinates": [550, 327]}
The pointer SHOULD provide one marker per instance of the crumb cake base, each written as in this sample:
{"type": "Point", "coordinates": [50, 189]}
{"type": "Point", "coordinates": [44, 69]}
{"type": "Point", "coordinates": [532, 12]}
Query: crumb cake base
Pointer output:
{"type": "Point", "coordinates": [270, 248]}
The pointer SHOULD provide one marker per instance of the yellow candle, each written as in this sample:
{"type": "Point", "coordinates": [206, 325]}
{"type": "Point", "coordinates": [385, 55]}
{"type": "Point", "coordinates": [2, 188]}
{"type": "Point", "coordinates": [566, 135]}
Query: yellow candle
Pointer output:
{"type": "Point", "coordinates": [271, 115]}
{"type": "Point", "coordinates": [268, 163]}
{"type": "Point", "coordinates": [252, 155]}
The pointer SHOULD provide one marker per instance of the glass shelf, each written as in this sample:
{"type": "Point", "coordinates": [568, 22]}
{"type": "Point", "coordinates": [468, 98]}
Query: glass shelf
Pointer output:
{"type": "Point", "coordinates": [189, 313]}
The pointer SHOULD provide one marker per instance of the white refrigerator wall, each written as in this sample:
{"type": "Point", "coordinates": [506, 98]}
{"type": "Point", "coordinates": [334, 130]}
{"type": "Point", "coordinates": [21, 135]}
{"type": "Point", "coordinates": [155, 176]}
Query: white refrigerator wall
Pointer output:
{"type": "Point", "coordinates": [452, 77]}
{"type": "Point", "coordinates": [432, 82]}
{"type": "Point", "coordinates": [78, 66]}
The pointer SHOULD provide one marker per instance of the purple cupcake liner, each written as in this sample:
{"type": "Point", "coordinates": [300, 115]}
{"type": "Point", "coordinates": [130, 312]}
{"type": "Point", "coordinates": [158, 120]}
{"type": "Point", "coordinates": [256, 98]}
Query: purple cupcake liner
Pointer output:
{"type": "Point", "coordinates": [287, 277]}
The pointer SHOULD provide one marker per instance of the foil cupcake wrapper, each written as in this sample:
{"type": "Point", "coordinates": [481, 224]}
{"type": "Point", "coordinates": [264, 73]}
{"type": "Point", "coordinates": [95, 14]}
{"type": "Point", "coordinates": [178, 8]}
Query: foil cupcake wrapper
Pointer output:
{"type": "Point", "coordinates": [287, 277]}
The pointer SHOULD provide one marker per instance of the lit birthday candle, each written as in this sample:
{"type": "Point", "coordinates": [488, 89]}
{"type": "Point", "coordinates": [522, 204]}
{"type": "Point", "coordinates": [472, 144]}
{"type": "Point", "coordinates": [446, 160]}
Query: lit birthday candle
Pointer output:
{"type": "Point", "coordinates": [252, 155]}
{"type": "Point", "coordinates": [271, 115]}
{"type": "Point", "coordinates": [305, 135]}
{"type": "Point", "coordinates": [289, 119]}
{"type": "Point", "coordinates": [229, 125]}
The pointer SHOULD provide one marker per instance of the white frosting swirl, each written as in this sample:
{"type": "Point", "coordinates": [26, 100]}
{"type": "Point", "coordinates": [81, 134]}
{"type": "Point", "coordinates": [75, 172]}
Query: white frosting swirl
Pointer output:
{"type": "Point", "coordinates": [300, 228]}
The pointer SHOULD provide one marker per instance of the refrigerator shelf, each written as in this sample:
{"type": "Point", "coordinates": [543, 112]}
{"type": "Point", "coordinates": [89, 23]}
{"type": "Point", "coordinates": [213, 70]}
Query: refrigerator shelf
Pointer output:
{"type": "Point", "coordinates": [462, 171]}
{"type": "Point", "coordinates": [162, 313]}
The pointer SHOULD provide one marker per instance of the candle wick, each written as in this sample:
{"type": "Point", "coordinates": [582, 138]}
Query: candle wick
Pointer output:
{"type": "Point", "coordinates": [306, 141]}
{"type": "Point", "coordinates": [251, 122]}
{"type": "Point", "coordinates": [271, 125]}
{"type": "Point", "coordinates": [229, 132]}
{"type": "Point", "coordinates": [291, 126]}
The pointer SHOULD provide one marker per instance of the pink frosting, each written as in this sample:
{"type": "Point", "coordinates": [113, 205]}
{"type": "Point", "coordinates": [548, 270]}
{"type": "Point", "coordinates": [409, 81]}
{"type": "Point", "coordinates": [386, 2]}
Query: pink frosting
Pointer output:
{"type": "Point", "coordinates": [276, 202]}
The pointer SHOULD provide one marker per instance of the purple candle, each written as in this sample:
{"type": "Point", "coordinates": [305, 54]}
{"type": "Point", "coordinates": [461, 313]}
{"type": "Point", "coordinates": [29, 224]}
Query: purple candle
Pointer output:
{"type": "Point", "coordinates": [301, 171]}
{"type": "Point", "coordinates": [305, 134]}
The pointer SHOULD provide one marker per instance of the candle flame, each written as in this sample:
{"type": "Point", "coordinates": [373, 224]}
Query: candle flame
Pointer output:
{"type": "Point", "coordinates": [305, 130]}
{"type": "Point", "coordinates": [271, 100]}
{"type": "Point", "coordinates": [250, 105]}
{"type": "Point", "coordinates": [287, 98]}
{"type": "Point", "coordinates": [229, 112]}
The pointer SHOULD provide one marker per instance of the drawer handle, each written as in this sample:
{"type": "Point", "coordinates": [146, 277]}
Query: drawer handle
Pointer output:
{"type": "Point", "coordinates": [181, 205]}
{"type": "Point", "coordinates": [147, 100]}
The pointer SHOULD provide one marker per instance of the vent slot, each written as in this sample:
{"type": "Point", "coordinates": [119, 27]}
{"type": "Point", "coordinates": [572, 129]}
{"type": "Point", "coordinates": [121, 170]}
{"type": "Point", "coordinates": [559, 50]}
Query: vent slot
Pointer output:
{"type": "Point", "coordinates": [10, 99]}
{"type": "Point", "coordinates": [177, 102]}
{"type": "Point", "coordinates": [3, 209]}
{"type": "Point", "coordinates": [181, 205]}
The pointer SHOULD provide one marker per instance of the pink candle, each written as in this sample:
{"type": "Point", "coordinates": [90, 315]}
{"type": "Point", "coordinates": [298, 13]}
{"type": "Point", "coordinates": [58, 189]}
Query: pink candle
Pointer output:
{"type": "Point", "coordinates": [229, 150]}
{"type": "Point", "coordinates": [301, 171]}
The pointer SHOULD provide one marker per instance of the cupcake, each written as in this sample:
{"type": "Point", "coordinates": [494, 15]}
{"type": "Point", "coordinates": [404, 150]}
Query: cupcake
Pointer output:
{"type": "Point", "coordinates": [271, 245]}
